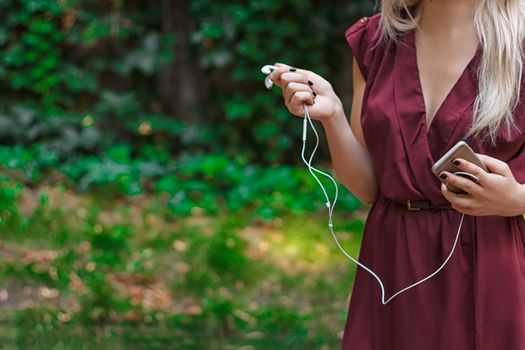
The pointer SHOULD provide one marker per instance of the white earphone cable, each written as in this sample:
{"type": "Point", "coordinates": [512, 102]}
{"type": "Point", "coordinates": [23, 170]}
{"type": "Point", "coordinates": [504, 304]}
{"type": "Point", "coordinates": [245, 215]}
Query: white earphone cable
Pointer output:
{"type": "Point", "coordinates": [331, 205]}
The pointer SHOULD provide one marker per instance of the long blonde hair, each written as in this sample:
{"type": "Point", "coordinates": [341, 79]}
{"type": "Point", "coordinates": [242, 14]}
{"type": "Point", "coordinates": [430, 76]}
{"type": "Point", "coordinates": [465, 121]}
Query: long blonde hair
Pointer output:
{"type": "Point", "coordinates": [500, 25]}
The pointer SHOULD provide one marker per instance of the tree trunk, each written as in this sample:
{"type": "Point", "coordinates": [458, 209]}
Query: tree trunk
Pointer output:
{"type": "Point", "coordinates": [178, 81]}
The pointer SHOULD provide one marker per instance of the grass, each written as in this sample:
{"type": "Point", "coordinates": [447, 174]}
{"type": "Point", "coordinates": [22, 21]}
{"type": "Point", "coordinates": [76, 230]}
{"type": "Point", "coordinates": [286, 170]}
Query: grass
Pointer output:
{"type": "Point", "coordinates": [97, 271]}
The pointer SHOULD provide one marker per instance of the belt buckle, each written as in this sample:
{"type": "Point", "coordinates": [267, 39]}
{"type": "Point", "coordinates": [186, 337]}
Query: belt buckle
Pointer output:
{"type": "Point", "coordinates": [410, 207]}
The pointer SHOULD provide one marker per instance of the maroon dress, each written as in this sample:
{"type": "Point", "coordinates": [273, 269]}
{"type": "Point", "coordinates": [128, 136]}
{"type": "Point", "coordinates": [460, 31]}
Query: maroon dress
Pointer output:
{"type": "Point", "coordinates": [478, 300]}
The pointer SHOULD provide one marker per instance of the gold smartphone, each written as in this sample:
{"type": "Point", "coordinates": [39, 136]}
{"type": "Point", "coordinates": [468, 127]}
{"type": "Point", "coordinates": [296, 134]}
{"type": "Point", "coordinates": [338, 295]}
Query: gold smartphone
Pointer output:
{"type": "Point", "coordinates": [459, 150]}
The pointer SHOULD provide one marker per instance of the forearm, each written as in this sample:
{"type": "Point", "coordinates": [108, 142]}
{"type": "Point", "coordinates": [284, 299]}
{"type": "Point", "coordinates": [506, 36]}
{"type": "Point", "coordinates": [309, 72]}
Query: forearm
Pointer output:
{"type": "Point", "coordinates": [351, 162]}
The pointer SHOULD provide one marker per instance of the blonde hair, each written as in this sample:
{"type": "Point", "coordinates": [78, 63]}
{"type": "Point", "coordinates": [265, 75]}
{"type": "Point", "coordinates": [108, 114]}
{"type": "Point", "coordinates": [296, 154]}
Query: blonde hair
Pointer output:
{"type": "Point", "coordinates": [500, 25]}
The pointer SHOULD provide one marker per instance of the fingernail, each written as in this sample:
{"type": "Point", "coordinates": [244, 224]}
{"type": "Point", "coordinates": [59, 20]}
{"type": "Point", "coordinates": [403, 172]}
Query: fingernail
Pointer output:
{"type": "Point", "coordinates": [310, 83]}
{"type": "Point", "coordinates": [292, 69]}
{"type": "Point", "coordinates": [443, 176]}
{"type": "Point", "coordinates": [456, 162]}
{"type": "Point", "coordinates": [313, 93]}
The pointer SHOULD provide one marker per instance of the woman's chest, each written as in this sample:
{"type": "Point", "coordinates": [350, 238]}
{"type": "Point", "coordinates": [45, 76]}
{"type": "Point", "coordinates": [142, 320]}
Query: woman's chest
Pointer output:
{"type": "Point", "coordinates": [394, 110]}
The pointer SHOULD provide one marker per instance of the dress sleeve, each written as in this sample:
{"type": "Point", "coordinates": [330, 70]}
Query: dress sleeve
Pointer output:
{"type": "Point", "coordinates": [359, 37]}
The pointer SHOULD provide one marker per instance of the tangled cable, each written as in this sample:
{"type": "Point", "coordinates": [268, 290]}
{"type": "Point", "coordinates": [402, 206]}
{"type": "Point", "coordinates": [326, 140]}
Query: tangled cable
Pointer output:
{"type": "Point", "coordinates": [330, 205]}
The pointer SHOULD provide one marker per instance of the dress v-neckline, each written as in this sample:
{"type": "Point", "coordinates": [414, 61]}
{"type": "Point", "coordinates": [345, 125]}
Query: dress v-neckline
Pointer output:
{"type": "Point", "coordinates": [428, 126]}
{"type": "Point", "coordinates": [424, 146]}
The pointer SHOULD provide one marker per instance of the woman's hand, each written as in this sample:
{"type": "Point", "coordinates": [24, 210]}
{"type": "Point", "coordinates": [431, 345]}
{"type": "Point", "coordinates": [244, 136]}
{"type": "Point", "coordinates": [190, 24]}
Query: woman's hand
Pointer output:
{"type": "Point", "coordinates": [300, 87]}
{"type": "Point", "coordinates": [497, 193]}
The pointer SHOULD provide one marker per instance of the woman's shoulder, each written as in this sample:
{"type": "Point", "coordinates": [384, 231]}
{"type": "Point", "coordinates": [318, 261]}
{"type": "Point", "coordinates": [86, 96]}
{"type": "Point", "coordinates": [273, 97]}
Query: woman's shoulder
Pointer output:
{"type": "Point", "coordinates": [363, 37]}
{"type": "Point", "coordinates": [368, 26]}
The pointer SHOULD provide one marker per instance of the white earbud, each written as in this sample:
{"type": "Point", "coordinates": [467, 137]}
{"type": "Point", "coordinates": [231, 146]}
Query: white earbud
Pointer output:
{"type": "Point", "coordinates": [268, 82]}
{"type": "Point", "coordinates": [268, 69]}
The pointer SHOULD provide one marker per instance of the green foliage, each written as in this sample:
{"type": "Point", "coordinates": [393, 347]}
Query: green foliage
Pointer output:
{"type": "Point", "coordinates": [212, 182]}
{"type": "Point", "coordinates": [53, 60]}
{"type": "Point", "coordinates": [101, 64]}
{"type": "Point", "coordinates": [77, 247]}
{"type": "Point", "coordinates": [241, 37]}
{"type": "Point", "coordinates": [85, 106]}
{"type": "Point", "coordinates": [9, 195]}
{"type": "Point", "coordinates": [30, 62]}
{"type": "Point", "coordinates": [81, 98]}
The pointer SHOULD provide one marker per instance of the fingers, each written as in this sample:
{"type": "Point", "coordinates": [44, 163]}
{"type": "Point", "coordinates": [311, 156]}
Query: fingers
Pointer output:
{"type": "Point", "coordinates": [297, 100]}
{"type": "Point", "coordinates": [296, 87]}
{"type": "Point", "coordinates": [289, 77]}
{"type": "Point", "coordinates": [458, 201]}
{"type": "Point", "coordinates": [292, 88]}
{"type": "Point", "coordinates": [288, 68]}
{"type": "Point", "coordinates": [275, 76]}
{"type": "Point", "coordinates": [495, 165]}
{"type": "Point", "coordinates": [471, 168]}
{"type": "Point", "coordinates": [465, 184]}
{"type": "Point", "coordinates": [282, 71]}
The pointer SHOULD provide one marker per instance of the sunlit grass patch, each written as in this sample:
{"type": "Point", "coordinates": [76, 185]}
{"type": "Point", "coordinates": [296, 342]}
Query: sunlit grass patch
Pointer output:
{"type": "Point", "coordinates": [102, 270]}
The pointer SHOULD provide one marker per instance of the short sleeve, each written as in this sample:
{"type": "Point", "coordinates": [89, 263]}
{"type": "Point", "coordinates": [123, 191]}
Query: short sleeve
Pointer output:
{"type": "Point", "coordinates": [360, 38]}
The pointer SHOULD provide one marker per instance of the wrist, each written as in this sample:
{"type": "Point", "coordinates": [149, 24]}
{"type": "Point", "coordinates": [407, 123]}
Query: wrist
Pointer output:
{"type": "Point", "coordinates": [336, 117]}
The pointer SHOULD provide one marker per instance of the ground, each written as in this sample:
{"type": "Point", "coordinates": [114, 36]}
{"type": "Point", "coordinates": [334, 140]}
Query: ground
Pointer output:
{"type": "Point", "coordinates": [95, 271]}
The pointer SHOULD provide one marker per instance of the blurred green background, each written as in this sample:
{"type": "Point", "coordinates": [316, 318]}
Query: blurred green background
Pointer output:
{"type": "Point", "coordinates": [151, 190]}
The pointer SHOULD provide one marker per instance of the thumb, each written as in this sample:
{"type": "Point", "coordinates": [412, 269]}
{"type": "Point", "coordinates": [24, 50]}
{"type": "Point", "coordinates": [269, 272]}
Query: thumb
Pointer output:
{"type": "Point", "coordinates": [275, 76]}
{"type": "Point", "coordinates": [495, 165]}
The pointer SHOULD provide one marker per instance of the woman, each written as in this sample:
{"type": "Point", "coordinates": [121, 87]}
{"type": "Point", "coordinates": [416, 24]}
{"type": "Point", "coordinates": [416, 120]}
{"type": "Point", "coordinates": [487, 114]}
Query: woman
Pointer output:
{"type": "Point", "coordinates": [427, 74]}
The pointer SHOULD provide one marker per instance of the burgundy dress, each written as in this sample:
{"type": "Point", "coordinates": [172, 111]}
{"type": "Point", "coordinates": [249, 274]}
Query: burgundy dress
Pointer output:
{"type": "Point", "coordinates": [478, 300]}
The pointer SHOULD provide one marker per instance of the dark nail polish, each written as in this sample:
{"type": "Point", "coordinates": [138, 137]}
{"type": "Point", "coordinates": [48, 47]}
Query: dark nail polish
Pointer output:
{"type": "Point", "coordinates": [293, 69]}
{"type": "Point", "coordinates": [310, 83]}
{"type": "Point", "coordinates": [313, 93]}
{"type": "Point", "coordinates": [456, 162]}
{"type": "Point", "coordinates": [443, 176]}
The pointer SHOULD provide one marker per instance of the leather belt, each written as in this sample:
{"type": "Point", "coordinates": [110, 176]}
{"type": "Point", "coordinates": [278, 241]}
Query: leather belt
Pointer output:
{"type": "Point", "coordinates": [418, 205]}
